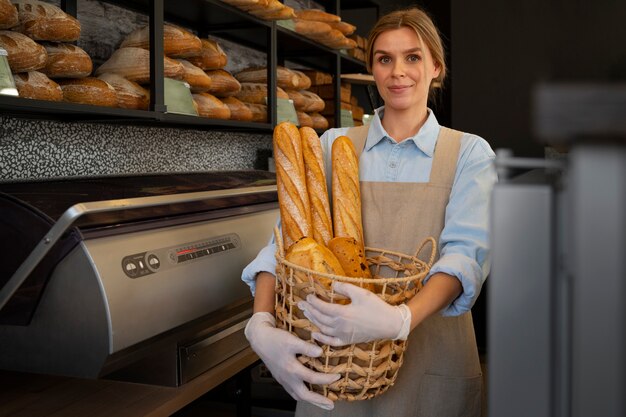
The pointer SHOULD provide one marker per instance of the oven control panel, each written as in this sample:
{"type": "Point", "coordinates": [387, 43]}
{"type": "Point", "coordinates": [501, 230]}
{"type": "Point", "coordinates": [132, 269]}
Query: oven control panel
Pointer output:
{"type": "Point", "coordinates": [152, 261]}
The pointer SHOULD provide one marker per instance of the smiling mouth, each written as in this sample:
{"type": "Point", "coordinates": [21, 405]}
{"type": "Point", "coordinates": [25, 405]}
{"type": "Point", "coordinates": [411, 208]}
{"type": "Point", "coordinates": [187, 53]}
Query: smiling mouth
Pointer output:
{"type": "Point", "coordinates": [399, 88]}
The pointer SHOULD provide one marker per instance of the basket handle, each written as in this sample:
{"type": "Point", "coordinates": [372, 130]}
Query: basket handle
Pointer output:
{"type": "Point", "coordinates": [433, 251]}
{"type": "Point", "coordinates": [279, 241]}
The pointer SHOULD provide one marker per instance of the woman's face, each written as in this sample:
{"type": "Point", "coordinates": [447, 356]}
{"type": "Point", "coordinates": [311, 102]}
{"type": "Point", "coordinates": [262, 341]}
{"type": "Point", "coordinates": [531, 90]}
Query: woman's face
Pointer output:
{"type": "Point", "coordinates": [403, 69]}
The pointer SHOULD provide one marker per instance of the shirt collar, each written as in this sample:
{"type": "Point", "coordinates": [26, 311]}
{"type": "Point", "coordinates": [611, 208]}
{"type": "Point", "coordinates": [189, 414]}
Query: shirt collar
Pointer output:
{"type": "Point", "coordinates": [425, 139]}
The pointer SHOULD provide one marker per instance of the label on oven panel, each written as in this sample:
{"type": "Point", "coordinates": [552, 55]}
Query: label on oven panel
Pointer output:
{"type": "Point", "coordinates": [152, 261]}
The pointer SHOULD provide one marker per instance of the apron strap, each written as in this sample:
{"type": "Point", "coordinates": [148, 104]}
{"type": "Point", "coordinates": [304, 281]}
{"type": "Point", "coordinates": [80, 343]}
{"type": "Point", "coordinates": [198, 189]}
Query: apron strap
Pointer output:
{"type": "Point", "coordinates": [358, 135]}
{"type": "Point", "coordinates": [446, 157]}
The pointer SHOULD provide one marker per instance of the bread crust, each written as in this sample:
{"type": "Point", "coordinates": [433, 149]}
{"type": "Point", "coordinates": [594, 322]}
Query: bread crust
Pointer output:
{"type": "Point", "coordinates": [197, 79]}
{"type": "Point", "coordinates": [38, 86]}
{"type": "Point", "coordinates": [211, 56]}
{"type": "Point", "coordinates": [46, 22]}
{"type": "Point", "coordinates": [309, 254]}
{"type": "Point", "coordinates": [88, 90]}
{"type": "Point", "coordinates": [223, 84]}
{"type": "Point", "coordinates": [130, 95]}
{"type": "Point", "coordinates": [134, 64]}
{"type": "Point", "coordinates": [238, 110]}
{"type": "Point", "coordinates": [346, 191]}
{"type": "Point", "coordinates": [8, 15]}
{"type": "Point", "coordinates": [177, 42]}
{"type": "Point", "coordinates": [317, 15]}
{"type": "Point", "coordinates": [67, 61]}
{"type": "Point", "coordinates": [295, 209]}
{"type": "Point", "coordinates": [24, 54]}
{"type": "Point", "coordinates": [211, 107]}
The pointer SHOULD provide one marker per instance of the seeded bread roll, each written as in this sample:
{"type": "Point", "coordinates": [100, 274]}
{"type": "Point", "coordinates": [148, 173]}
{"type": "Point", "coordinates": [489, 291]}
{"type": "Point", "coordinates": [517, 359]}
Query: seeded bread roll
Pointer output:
{"type": "Point", "coordinates": [130, 95]}
{"type": "Point", "coordinates": [88, 90]}
{"type": "Point", "coordinates": [134, 64]}
{"type": "Point", "coordinates": [211, 107]}
{"type": "Point", "coordinates": [346, 192]}
{"type": "Point", "coordinates": [66, 61]}
{"type": "Point", "coordinates": [238, 109]}
{"type": "Point", "coordinates": [257, 93]}
{"type": "Point", "coordinates": [295, 210]}
{"type": "Point", "coordinates": [223, 84]}
{"type": "Point", "coordinates": [177, 42]}
{"type": "Point", "coordinates": [38, 86]}
{"type": "Point", "coordinates": [211, 56]}
{"type": "Point", "coordinates": [197, 79]}
{"type": "Point", "coordinates": [317, 15]}
{"type": "Point", "coordinates": [8, 15]}
{"type": "Point", "coordinates": [321, 220]}
{"type": "Point", "coordinates": [45, 22]}
{"type": "Point", "coordinates": [259, 112]}
{"type": "Point", "coordinates": [24, 54]}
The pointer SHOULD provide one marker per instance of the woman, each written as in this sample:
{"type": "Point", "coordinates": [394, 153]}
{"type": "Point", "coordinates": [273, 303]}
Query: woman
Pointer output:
{"type": "Point", "coordinates": [418, 179]}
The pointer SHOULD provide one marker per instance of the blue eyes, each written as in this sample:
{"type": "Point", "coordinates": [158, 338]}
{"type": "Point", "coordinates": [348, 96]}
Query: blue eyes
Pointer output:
{"type": "Point", "coordinates": [384, 59]}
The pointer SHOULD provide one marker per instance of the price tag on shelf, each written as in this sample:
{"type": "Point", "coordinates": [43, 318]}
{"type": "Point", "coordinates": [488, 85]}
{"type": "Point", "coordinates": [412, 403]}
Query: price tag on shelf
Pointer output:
{"type": "Point", "coordinates": [286, 112]}
{"type": "Point", "coordinates": [287, 24]}
{"type": "Point", "coordinates": [7, 84]}
{"type": "Point", "coordinates": [178, 97]}
{"type": "Point", "coordinates": [346, 118]}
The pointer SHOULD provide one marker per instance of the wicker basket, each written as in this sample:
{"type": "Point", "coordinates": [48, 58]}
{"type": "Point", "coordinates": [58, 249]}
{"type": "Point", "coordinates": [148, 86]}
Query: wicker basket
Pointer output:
{"type": "Point", "coordinates": [367, 369]}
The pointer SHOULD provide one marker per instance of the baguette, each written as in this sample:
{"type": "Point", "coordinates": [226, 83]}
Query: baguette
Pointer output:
{"type": "Point", "coordinates": [8, 15]}
{"type": "Point", "coordinates": [238, 110]}
{"type": "Point", "coordinates": [317, 15]}
{"type": "Point", "coordinates": [321, 220]}
{"type": "Point", "coordinates": [177, 42]}
{"type": "Point", "coordinates": [46, 22]}
{"type": "Point", "coordinates": [343, 27]}
{"type": "Point", "coordinates": [24, 54]}
{"type": "Point", "coordinates": [311, 28]}
{"type": "Point", "coordinates": [211, 56]}
{"type": "Point", "coordinates": [38, 86]}
{"type": "Point", "coordinates": [295, 210]}
{"type": "Point", "coordinates": [210, 106]}
{"type": "Point", "coordinates": [346, 192]}
{"type": "Point", "coordinates": [88, 91]}
{"type": "Point", "coordinates": [223, 84]}
{"type": "Point", "coordinates": [134, 64]}
{"type": "Point", "coordinates": [130, 95]}
{"type": "Point", "coordinates": [67, 61]}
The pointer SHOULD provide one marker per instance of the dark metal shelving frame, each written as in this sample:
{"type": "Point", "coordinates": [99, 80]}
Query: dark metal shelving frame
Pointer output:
{"type": "Point", "coordinates": [207, 17]}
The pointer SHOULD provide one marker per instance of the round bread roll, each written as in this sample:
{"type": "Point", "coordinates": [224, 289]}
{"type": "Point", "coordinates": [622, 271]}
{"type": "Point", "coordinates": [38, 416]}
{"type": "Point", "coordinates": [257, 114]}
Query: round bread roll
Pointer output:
{"type": "Point", "coordinates": [257, 93]}
{"type": "Point", "coordinates": [317, 15]}
{"type": "Point", "coordinates": [211, 107]}
{"type": "Point", "coordinates": [8, 15]}
{"type": "Point", "coordinates": [197, 79]}
{"type": "Point", "coordinates": [46, 22]}
{"type": "Point", "coordinates": [130, 95]}
{"type": "Point", "coordinates": [238, 110]}
{"type": "Point", "coordinates": [88, 90]}
{"type": "Point", "coordinates": [66, 61]}
{"type": "Point", "coordinates": [177, 42]}
{"type": "Point", "coordinates": [134, 64]}
{"type": "Point", "coordinates": [223, 84]}
{"type": "Point", "coordinates": [38, 86]}
{"type": "Point", "coordinates": [259, 112]}
{"type": "Point", "coordinates": [211, 56]}
{"type": "Point", "coordinates": [24, 54]}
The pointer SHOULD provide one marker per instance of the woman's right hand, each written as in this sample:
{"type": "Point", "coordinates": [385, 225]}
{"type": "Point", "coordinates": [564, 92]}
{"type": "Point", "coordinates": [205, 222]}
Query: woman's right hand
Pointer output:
{"type": "Point", "coordinates": [278, 348]}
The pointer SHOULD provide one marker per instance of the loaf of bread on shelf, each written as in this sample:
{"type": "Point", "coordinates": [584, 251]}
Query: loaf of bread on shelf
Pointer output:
{"type": "Point", "coordinates": [311, 28]}
{"type": "Point", "coordinates": [309, 254]}
{"type": "Point", "coordinates": [275, 10]}
{"type": "Point", "coordinates": [223, 84]}
{"type": "Point", "coordinates": [346, 191]}
{"type": "Point", "coordinates": [46, 22]}
{"type": "Point", "coordinates": [304, 82]}
{"type": "Point", "coordinates": [211, 107]}
{"type": "Point", "coordinates": [313, 102]}
{"type": "Point", "coordinates": [134, 64]}
{"type": "Point", "coordinates": [259, 112]}
{"type": "Point", "coordinates": [88, 90]}
{"type": "Point", "coordinates": [257, 93]}
{"type": "Point", "coordinates": [130, 95]}
{"type": "Point", "coordinates": [285, 78]}
{"type": "Point", "coordinates": [66, 61]}
{"type": "Point", "coordinates": [197, 79]}
{"type": "Point", "coordinates": [247, 3]}
{"type": "Point", "coordinates": [8, 15]}
{"type": "Point", "coordinates": [297, 98]}
{"type": "Point", "coordinates": [293, 198]}
{"type": "Point", "coordinates": [24, 54]}
{"type": "Point", "coordinates": [321, 220]}
{"type": "Point", "coordinates": [318, 15]}
{"type": "Point", "coordinates": [317, 77]}
{"type": "Point", "coordinates": [319, 121]}
{"type": "Point", "coordinates": [304, 120]}
{"type": "Point", "coordinates": [211, 56]}
{"type": "Point", "coordinates": [343, 27]}
{"type": "Point", "coordinates": [38, 86]}
{"type": "Point", "coordinates": [177, 42]}
{"type": "Point", "coordinates": [238, 109]}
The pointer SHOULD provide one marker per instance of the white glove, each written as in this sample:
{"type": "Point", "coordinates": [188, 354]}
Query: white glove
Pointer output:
{"type": "Point", "coordinates": [365, 319]}
{"type": "Point", "coordinates": [278, 348]}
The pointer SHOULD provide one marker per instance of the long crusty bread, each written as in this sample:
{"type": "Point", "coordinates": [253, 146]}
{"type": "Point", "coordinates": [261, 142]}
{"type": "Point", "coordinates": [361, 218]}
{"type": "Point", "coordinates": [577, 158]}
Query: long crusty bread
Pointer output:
{"type": "Point", "coordinates": [295, 211]}
{"type": "Point", "coordinates": [321, 221]}
{"type": "Point", "coordinates": [346, 190]}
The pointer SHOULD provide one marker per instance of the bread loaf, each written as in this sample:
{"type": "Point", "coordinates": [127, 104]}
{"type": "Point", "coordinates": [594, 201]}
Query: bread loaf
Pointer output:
{"type": "Point", "coordinates": [319, 121]}
{"type": "Point", "coordinates": [246, 3]}
{"type": "Point", "coordinates": [238, 110]}
{"type": "Point", "coordinates": [223, 84]}
{"type": "Point", "coordinates": [130, 95]}
{"type": "Point", "coordinates": [37, 86]}
{"type": "Point", "coordinates": [197, 79]}
{"type": "Point", "coordinates": [311, 28]}
{"type": "Point", "coordinates": [309, 254]}
{"type": "Point", "coordinates": [295, 211]}
{"type": "Point", "coordinates": [285, 78]}
{"type": "Point", "coordinates": [351, 256]}
{"type": "Point", "coordinates": [257, 93]}
{"type": "Point", "coordinates": [298, 99]}
{"type": "Point", "coordinates": [346, 192]}
{"type": "Point", "coordinates": [46, 22]}
{"type": "Point", "coordinates": [8, 15]}
{"type": "Point", "coordinates": [304, 81]}
{"type": "Point", "coordinates": [134, 64]}
{"type": "Point", "coordinates": [321, 220]}
{"type": "Point", "coordinates": [272, 12]}
{"type": "Point", "coordinates": [24, 54]}
{"type": "Point", "coordinates": [211, 56]}
{"type": "Point", "coordinates": [177, 42]}
{"type": "Point", "coordinates": [259, 112]}
{"type": "Point", "coordinates": [88, 90]}
{"type": "Point", "coordinates": [343, 27]}
{"type": "Point", "coordinates": [66, 61]}
{"type": "Point", "coordinates": [211, 107]}
{"type": "Point", "coordinates": [313, 102]}
{"type": "Point", "coordinates": [318, 15]}
{"type": "Point", "coordinates": [304, 120]}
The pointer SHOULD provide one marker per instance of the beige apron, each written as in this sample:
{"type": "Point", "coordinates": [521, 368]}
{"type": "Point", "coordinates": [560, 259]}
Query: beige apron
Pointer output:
{"type": "Point", "coordinates": [441, 375]}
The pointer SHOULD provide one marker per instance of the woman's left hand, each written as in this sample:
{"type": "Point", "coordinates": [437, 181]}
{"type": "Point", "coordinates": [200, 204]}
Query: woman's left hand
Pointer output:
{"type": "Point", "coordinates": [366, 318]}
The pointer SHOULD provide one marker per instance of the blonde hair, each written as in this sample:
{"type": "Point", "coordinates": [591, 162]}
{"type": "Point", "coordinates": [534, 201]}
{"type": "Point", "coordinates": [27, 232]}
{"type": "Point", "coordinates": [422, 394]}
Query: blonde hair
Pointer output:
{"type": "Point", "coordinates": [425, 29]}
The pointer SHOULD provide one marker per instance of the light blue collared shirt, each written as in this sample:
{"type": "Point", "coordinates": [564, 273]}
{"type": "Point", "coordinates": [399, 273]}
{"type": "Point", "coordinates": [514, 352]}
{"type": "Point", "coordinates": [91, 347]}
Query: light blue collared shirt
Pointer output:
{"type": "Point", "coordinates": [463, 243]}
